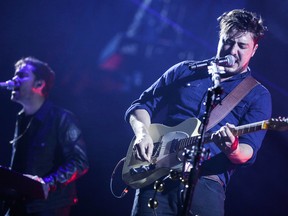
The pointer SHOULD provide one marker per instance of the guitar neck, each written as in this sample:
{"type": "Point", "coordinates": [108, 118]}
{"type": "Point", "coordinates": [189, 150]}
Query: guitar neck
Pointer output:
{"type": "Point", "coordinates": [237, 131]}
{"type": "Point", "coordinates": [249, 128]}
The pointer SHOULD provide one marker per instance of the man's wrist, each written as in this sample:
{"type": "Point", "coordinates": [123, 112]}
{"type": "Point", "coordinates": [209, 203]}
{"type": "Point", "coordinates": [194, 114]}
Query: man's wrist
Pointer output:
{"type": "Point", "coordinates": [234, 151]}
{"type": "Point", "coordinates": [235, 145]}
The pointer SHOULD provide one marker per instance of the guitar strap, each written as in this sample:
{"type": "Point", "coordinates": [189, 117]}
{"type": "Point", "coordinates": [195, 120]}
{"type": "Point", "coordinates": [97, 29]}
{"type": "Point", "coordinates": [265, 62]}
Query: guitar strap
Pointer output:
{"type": "Point", "coordinates": [231, 100]}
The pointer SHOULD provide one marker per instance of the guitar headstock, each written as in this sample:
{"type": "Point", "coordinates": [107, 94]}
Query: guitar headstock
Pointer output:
{"type": "Point", "coordinates": [280, 124]}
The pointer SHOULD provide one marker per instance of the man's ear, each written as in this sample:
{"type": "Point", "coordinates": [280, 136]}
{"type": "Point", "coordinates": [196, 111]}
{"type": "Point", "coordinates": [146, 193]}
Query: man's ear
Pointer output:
{"type": "Point", "coordinates": [38, 87]}
{"type": "Point", "coordinates": [39, 84]}
{"type": "Point", "coordinates": [254, 50]}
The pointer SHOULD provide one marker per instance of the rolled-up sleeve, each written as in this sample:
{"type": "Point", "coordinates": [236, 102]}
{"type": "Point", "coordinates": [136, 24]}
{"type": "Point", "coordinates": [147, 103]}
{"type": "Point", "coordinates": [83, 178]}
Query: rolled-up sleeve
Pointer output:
{"type": "Point", "coordinates": [259, 110]}
{"type": "Point", "coordinates": [155, 97]}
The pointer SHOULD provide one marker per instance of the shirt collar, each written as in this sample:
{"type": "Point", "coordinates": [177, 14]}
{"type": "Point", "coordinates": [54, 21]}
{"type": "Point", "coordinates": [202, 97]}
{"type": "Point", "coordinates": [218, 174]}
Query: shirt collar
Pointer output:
{"type": "Point", "coordinates": [240, 76]}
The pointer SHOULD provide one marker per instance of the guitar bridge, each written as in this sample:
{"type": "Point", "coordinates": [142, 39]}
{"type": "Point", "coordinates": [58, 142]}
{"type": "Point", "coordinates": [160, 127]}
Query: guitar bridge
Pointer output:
{"type": "Point", "coordinates": [142, 169]}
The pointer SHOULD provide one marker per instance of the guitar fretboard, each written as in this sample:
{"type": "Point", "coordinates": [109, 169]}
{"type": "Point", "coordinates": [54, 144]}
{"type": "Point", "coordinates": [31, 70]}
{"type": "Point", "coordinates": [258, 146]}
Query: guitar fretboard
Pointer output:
{"type": "Point", "coordinates": [238, 131]}
{"type": "Point", "coordinates": [249, 128]}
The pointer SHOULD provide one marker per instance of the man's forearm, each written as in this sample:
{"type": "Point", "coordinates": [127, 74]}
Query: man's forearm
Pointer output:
{"type": "Point", "coordinates": [140, 121]}
{"type": "Point", "coordinates": [241, 154]}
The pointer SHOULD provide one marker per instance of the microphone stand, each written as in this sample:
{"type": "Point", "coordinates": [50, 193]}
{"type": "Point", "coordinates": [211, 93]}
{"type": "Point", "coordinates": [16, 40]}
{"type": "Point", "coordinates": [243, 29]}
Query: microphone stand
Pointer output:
{"type": "Point", "coordinates": [198, 152]}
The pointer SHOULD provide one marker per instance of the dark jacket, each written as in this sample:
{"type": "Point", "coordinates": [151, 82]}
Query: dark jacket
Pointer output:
{"type": "Point", "coordinates": [49, 144]}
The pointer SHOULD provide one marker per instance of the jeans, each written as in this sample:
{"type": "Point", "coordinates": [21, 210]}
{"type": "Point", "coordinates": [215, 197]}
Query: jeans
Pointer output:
{"type": "Point", "coordinates": [208, 199]}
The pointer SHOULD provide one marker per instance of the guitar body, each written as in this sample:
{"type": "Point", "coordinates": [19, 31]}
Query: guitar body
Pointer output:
{"type": "Point", "coordinates": [169, 143]}
{"type": "Point", "coordinates": [166, 156]}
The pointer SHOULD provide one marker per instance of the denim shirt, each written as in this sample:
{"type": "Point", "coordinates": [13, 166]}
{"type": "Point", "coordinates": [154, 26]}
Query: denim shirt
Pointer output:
{"type": "Point", "coordinates": [50, 145]}
{"type": "Point", "coordinates": [180, 94]}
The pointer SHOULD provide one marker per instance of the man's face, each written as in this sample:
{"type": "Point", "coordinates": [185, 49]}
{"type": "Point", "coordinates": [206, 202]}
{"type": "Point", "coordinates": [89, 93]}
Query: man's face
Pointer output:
{"type": "Point", "coordinates": [25, 78]}
{"type": "Point", "coordinates": [239, 44]}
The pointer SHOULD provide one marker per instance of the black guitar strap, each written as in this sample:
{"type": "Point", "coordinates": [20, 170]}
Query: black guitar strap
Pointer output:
{"type": "Point", "coordinates": [230, 101]}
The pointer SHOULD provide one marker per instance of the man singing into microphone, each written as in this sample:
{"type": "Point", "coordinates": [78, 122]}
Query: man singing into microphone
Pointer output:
{"type": "Point", "coordinates": [48, 145]}
{"type": "Point", "coordinates": [182, 91]}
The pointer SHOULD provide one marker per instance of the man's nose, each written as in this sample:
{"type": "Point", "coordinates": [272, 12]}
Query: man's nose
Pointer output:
{"type": "Point", "coordinates": [234, 49]}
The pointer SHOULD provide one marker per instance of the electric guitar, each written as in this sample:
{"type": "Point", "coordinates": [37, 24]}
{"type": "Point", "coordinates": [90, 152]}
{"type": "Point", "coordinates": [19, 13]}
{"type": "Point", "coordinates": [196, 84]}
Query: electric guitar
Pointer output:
{"type": "Point", "coordinates": [169, 144]}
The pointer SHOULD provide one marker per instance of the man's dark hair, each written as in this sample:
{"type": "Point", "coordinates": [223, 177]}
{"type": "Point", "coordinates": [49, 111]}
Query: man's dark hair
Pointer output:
{"type": "Point", "coordinates": [242, 21]}
{"type": "Point", "coordinates": [42, 71]}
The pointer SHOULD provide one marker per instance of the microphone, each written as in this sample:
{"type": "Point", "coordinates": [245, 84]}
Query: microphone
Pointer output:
{"type": "Point", "coordinates": [9, 85]}
{"type": "Point", "coordinates": [227, 61]}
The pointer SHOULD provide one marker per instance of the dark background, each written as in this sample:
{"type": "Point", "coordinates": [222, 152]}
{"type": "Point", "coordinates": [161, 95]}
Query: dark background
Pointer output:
{"type": "Point", "coordinates": [105, 53]}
